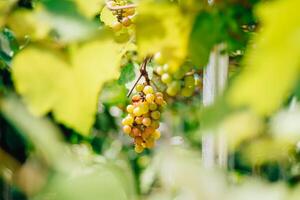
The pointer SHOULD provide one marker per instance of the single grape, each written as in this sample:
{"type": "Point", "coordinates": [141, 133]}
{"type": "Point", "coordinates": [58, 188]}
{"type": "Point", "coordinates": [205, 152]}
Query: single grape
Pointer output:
{"type": "Point", "coordinates": [166, 78]}
{"type": "Point", "coordinates": [117, 26]}
{"type": "Point", "coordinates": [136, 97]}
{"type": "Point", "coordinates": [150, 98]}
{"type": "Point", "coordinates": [138, 120]}
{"type": "Point", "coordinates": [189, 81]}
{"type": "Point", "coordinates": [155, 115]}
{"type": "Point", "coordinates": [159, 59]}
{"type": "Point", "coordinates": [144, 107]}
{"type": "Point", "coordinates": [149, 130]}
{"type": "Point", "coordinates": [126, 21]}
{"type": "Point", "coordinates": [155, 124]}
{"type": "Point", "coordinates": [136, 132]}
{"type": "Point", "coordinates": [148, 89]}
{"type": "Point", "coordinates": [127, 129]}
{"type": "Point", "coordinates": [179, 74]}
{"type": "Point", "coordinates": [152, 106]}
{"type": "Point", "coordinates": [130, 108]}
{"type": "Point", "coordinates": [139, 87]}
{"type": "Point", "coordinates": [166, 68]}
{"type": "Point", "coordinates": [138, 148]}
{"type": "Point", "coordinates": [159, 70]}
{"type": "Point", "coordinates": [137, 111]}
{"type": "Point", "coordinates": [187, 91]}
{"type": "Point", "coordinates": [156, 134]}
{"type": "Point", "coordinates": [127, 120]}
{"type": "Point", "coordinates": [146, 121]}
{"type": "Point", "coordinates": [159, 100]}
{"type": "Point", "coordinates": [149, 144]}
{"type": "Point", "coordinates": [173, 88]}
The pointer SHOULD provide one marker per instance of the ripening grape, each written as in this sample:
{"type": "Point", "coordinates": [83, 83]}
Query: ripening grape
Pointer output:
{"type": "Point", "coordinates": [159, 59]}
{"type": "Point", "coordinates": [142, 121]}
{"type": "Point", "coordinates": [156, 134]}
{"type": "Point", "coordinates": [166, 78]}
{"type": "Point", "coordinates": [126, 21]}
{"type": "Point", "coordinates": [173, 88]}
{"type": "Point", "coordinates": [117, 26]}
{"type": "Point", "coordinates": [159, 70]}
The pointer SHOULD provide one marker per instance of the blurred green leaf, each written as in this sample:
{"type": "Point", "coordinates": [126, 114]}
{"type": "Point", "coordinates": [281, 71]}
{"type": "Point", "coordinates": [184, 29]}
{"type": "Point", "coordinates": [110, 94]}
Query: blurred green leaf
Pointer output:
{"type": "Point", "coordinates": [113, 93]}
{"type": "Point", "coordinates": [127, 74]}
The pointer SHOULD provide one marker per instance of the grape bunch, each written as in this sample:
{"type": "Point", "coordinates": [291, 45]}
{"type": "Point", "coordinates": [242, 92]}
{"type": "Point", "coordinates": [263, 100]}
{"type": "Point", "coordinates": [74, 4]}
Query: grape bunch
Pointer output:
{"type": "Point", "coordinates": [124, 16]}
{"type": "Point", "coordinates": [182, 82]}
{"type": "Point", "coordinates": [142, 120]}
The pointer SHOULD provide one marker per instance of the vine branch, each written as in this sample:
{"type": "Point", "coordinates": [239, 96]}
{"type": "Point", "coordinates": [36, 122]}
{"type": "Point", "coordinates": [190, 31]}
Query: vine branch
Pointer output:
{"type": "Point", "coordinates": [143, 73]}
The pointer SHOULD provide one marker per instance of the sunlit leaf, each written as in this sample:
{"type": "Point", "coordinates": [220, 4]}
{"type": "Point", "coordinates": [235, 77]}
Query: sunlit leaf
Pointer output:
{"type": "Point", "coordinates": [272, 62]}
{"type": "Point", "coordinates": [162, 27]}
{"type": "Point", "coordinates": [67, 88]}
{"type": "Point", "coordinates": [127, 74]}
{"type": "Point", "coordinates": [107, 17]}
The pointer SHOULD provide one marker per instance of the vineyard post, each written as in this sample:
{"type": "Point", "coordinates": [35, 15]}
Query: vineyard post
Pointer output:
{"type": "Point", "coordinates": [214, 82]}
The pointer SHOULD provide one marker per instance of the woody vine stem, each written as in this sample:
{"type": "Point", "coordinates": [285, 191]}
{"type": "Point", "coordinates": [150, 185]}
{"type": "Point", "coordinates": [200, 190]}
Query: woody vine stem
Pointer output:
{"type": "Point", "coordinates": [143, 73]}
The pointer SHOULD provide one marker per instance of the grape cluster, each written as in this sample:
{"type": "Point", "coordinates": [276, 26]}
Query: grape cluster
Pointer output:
{"type": "Point", "coordinates": [142, 120]}
{"type": "Point", "coordinates": [124, 16]}
{"type": "Point", "coordinates": [182, 82]}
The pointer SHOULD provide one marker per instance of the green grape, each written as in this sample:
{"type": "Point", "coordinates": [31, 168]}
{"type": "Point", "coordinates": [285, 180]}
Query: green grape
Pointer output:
{"type": "Point", "coordinates": [189, 81]}
{"type": "Point", "coordinates": [155, 115]}
{"type": "Point", "coordinates": [127, 129]}
{"type": "Point", "coordinates": [187, 91]}
{"type": "Point", "coordinates": [137, 111]}
{"type": "Point", "coordinates": [139, 87]}
{"type": "Point", "coordinates": [159, 70]}
{"type": "Point", "coordinates": [159, 59]}
{"type": "Point", "coordinates": [152, 106]}
{"type": "Point", "coordinates": [148, 89]}
{"type": "Point", "coordinates": [130, 108]}
{"type": "Point", "coordinates": [179, 74]}
{"type": "Point", "coordinates": [144, 107]}
{"type": "Point", "coordinates": [166, 68]}
{"type": "Point", "coordinates": [117, 26]}
{"type": "Point", "coordinates": [146, 121]}
{"type": "Point", "coordinates": [150, 98]}
{"type": "Point", "coordinates": [173, 88]}
{"type": "Point", "coordinates": [166, 78]}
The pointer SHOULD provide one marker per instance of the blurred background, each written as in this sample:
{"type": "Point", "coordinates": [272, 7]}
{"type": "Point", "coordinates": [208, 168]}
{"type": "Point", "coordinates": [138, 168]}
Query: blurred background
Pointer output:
{"type": "Point", "coordinates": [229, 71]}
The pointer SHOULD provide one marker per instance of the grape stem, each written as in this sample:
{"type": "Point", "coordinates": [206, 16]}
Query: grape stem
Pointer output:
{"type": "Point", "coordinates": [119, 7]}
{"type": "Point", "coordinates": [143, 73]}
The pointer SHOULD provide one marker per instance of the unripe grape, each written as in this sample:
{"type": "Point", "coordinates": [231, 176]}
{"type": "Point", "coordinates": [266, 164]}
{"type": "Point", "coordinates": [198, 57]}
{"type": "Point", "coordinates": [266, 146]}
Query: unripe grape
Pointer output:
{"type": "Point", "coordinates": [166, 68]}
{"type": "Point", "coordinates": [159, 59]}
{"type": "Point", "coordinates": [155, 124]}
{"type": "Point", "coordinates": [159, 70]}
{"type": "Point", "coordinates": [144, 107]}
{"type": "Point", "coordinates": [127, 129]}
{"type": "Point", "coordinates": [156, 134]}
{"type": "Point", "coordinates": [155, 114]}
{"type": "Point", "coordinates": [137, 111]}
{"type": "Point", "coordinates": [138, 120]}
{"type": "Point", "coordinates": [136, 97]}
{"type": "Point", "coordinates": [138, 148]}
{"type": "Point", "coordinates": [146, 121]}
{"type": "Point", "coordinates": [152, 106]}
{"type": "Point", "coordinates": [166, 78]}
{"type": "Point", "coordinates": [126, 21]}
{"type": "Point", "coordinates": [179, 74]}
{"type": "Point", "coordinates": [139, 87]}
{"type": "Point", "coordinates": [150, 98]}
{"type": "Point", "coordinates": [148, 89]}
{"type": "Point", "coordinates": [117, 26]}
{"type": "Point", "coordinates": [189, 81]}
{"type": "Point", "coordinates": [173, 88]}
{"type": "Point", "coordinates": [187, 92]}
{"type": "Point", "coordinates": [130, 108]}
{"type": "Point", "coordinates": [159, 100]}
{"type": "Point", "coordinates": [136, 132]}
{"type": "Point", "coordinates": [159, 94]}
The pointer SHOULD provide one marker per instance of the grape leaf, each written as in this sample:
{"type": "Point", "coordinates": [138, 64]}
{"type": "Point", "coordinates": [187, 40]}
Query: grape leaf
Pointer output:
{"type": "Point", "coordinates": [68, 88]}
{"type": "Point", "coordinates": [107, 17]}
{"type": "Point", "coordinates": [162, 27]}
{"type": "Point", "coordinates": [205, 34]}
{"type": "Point", "coordinates": [127, 74]}
{"type": "Point", "coordinates": [272, 63]}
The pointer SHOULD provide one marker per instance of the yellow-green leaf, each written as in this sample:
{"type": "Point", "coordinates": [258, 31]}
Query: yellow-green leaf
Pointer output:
{"type": "Point", "coordinates": [162, 27]}
{"type": "Point", "coordinates": [107, 17]}
{"type": "Point", "coordinates": [272, 64]}
{"type": "Point", "coordinates": [68, 88]}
